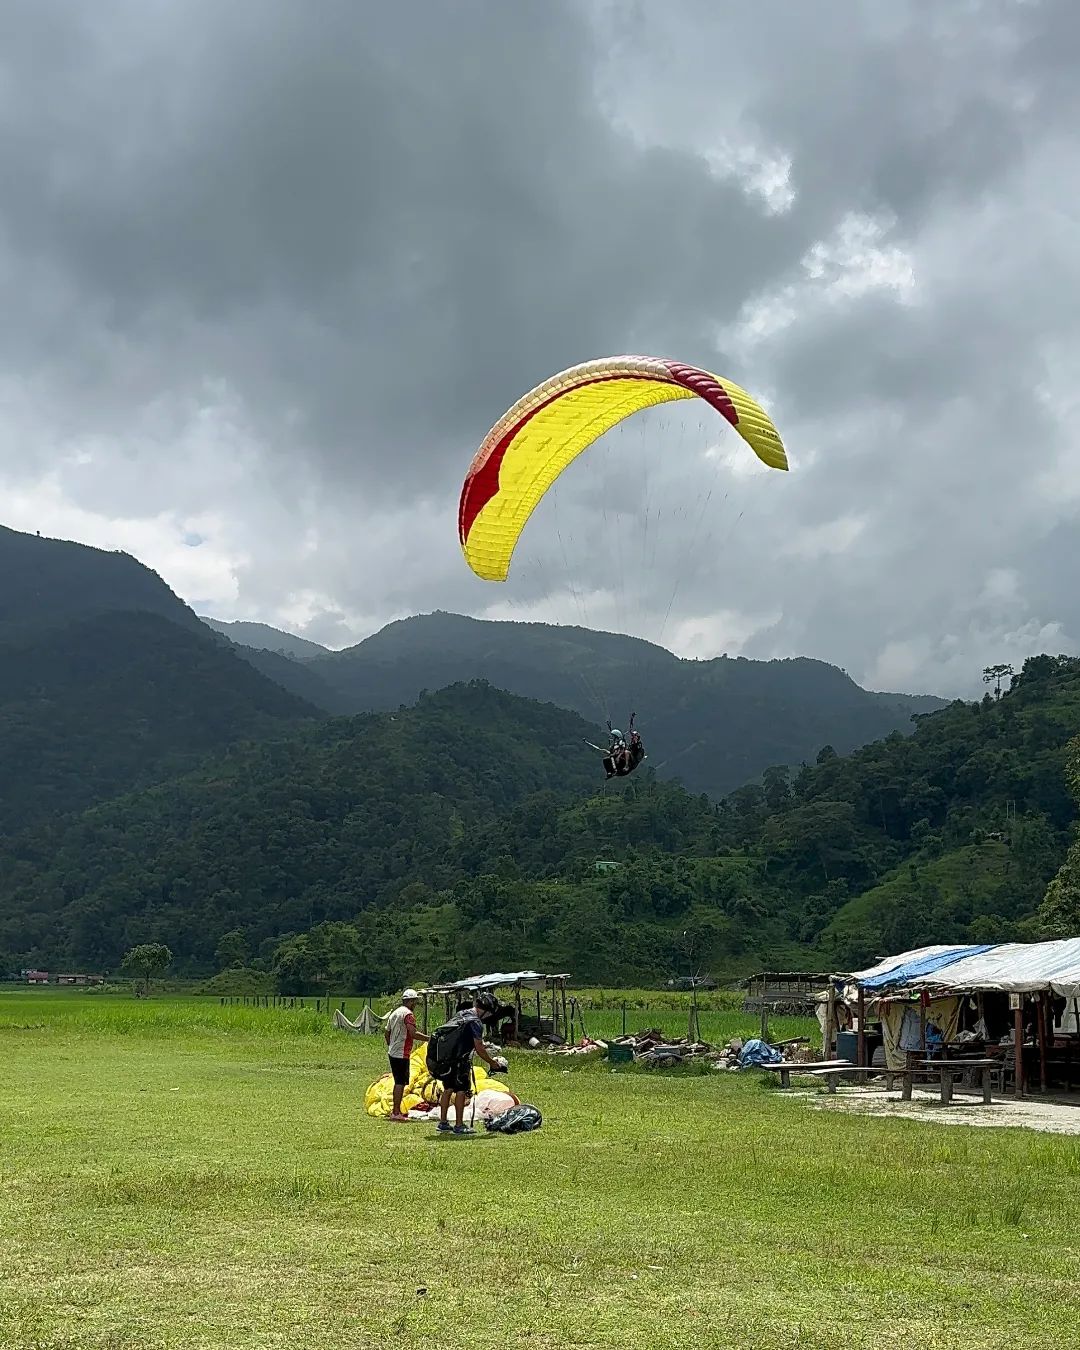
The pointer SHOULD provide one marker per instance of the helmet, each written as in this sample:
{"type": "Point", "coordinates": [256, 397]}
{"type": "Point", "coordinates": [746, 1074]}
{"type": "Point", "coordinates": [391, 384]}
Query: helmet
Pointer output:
{"type": "Point", "coordinates": [487, 1002]}
{"type": "Point", "coordinates": [616, 733]}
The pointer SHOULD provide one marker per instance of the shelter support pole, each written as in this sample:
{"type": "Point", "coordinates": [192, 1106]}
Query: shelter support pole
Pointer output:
{"type": "Point", "coordinates": [539, 1011]}
{"type": "Point", "coordinates": [830, 1024]}
{"type": "Point", "coordinates": [764, 1017]}
{"type": "Point", "coordinates": [1041, 1024]}
{"type": "Point", "coordinates": [1018, 1041]}
{"type": "Point", "coordinates": [568, 1033]}
{"type": "Point", "coordinates": [862, 1028]}
{"type": "Point", "coordinates": [424, 1027]}
{"type": "Point", "coordinates": [517, 1013]}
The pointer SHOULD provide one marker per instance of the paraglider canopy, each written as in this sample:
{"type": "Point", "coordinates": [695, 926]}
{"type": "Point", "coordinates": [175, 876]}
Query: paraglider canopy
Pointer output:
{"type": "Point", "coordinates": [536, 439]}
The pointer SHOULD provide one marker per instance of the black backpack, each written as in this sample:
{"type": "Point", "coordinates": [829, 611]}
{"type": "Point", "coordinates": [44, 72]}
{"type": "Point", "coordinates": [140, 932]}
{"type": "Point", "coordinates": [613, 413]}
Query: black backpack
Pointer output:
{"type": "Point", "coordinates": [449, 1045]}
{"type": "Point", "coordinates": [517, 1120]}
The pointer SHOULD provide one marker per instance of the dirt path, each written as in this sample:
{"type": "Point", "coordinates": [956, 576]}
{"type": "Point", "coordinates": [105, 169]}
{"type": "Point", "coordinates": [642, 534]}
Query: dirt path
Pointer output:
{"type": "Point", "coordinates": [1050, 1114]}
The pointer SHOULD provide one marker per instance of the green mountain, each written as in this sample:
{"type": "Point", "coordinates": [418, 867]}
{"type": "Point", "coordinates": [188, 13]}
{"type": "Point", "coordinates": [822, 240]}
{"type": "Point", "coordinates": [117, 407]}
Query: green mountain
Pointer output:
{"type": "Point", "coordinates": [275, 836]}
{"type": "Point", "coordinates": [469, 830]}
{"type": "Point", "coordinates": [712, 724]}
{"type": "Point", "coordinates": [261, 637]}
{"type": "Point", "coordinates": [46, 583]}
{"type": "Point", "coordinates": [949, 835]}
{"type": "Point", "coordinates": [109, 682]}
{"type": "Point", "coordinates": [118, 701]}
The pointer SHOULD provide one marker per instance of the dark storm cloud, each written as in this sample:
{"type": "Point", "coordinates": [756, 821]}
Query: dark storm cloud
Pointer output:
{"type": "Point", "coordinates": [278, 268]}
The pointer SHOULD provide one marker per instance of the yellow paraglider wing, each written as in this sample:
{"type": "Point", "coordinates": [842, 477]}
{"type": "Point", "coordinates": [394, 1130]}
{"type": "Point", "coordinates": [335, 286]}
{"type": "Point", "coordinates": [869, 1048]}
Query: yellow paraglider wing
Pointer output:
{"type": "Point", "coordinates": [531, 445]}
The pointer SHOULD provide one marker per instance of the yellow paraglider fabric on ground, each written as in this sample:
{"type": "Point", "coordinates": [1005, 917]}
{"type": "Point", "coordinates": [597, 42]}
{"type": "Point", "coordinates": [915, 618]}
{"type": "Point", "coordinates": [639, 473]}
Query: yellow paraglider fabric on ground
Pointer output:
{"type": "Point", "coordinates": [379, 1098]}
{"type": "Point", "coordinates": [532, 443]}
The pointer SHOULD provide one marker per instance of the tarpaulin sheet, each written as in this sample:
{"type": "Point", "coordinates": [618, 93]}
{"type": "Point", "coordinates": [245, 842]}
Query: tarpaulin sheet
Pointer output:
{"type": "Point", "coordinates": [917, 966]}
{"type": "Point", "coordinates": [899, 1019]}
{"type": "Point", "coordinates": [891, 962]}
{"type": "Point", "coordinates": [1015, 968]}
{"type": "Point", "coordinates": [528, 979]}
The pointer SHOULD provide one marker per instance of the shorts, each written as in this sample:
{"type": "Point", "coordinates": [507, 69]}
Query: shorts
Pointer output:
{"type": "Point", "coordinates": [400, 1069]}
{"type": "Point", "coordinates": [459, 1077]}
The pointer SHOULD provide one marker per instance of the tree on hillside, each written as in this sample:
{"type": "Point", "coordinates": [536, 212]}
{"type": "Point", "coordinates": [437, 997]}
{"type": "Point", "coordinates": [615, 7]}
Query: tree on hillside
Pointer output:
{"type": "Point", "coordinates": [994, 675]}
{"type": "Point", "coordinates": [1059, 913]}
{"type": "Point", "coordinates": [151, 958]}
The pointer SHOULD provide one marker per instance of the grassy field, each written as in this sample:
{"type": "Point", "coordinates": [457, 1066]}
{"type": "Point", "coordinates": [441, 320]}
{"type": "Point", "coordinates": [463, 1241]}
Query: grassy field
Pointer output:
{"type": "Point", "coordinates": [175, 1174]}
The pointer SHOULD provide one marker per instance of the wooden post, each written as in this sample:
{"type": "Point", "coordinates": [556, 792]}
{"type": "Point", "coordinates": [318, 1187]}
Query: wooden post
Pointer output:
{"type": "Point", "coordinates": [923, 999]}
{"type": "Point", "coordinates": [517, 1013]}
{"type": "Point", "coordinates": [764, 1015]}
{"type": "Point", "coordinates": [861, 1055]}
{"type": "Point", "coordinates": [539, 1016]}
{"type": "Point", "coordinates": [1018, 1044]}
{"type": "Point", "coordinates": [1041, 1024]}
{"type": "Point", "coordinates": [830, 1024]}
{"type": "Point", "coordinates": [568, 1034]}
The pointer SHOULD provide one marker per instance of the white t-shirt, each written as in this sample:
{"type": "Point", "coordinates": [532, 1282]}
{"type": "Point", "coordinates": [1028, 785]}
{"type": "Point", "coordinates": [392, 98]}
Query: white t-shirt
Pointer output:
{"type": "Point", "coordinates": [401, 1028]}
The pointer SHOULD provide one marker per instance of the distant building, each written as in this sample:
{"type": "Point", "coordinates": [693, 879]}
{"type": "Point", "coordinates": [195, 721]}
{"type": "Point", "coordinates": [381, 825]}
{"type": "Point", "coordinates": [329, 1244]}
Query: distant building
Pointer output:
{"type": "Point", "coordinates": [36, 976]}
{"type": "Point", "coordinates": [80, 979]}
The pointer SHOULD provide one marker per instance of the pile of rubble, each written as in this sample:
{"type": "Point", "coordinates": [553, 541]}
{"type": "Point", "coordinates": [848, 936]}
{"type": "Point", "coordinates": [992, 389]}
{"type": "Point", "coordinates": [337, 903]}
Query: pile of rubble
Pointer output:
{"type": "Point", "coordinates": [655, 1050]}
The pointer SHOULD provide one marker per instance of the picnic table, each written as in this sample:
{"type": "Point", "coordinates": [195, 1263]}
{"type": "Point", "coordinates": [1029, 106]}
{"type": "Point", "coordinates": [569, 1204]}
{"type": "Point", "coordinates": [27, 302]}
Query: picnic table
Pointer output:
{"type": "Point", "coordinates": [948, 1070]}
{"type": "Point", "coordinates": [788, 1067]}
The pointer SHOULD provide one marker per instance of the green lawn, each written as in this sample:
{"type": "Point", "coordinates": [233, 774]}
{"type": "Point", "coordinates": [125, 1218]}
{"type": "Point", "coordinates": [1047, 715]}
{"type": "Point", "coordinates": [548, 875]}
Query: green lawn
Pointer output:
{"type": "Point", "coordinates": [176, 1174]}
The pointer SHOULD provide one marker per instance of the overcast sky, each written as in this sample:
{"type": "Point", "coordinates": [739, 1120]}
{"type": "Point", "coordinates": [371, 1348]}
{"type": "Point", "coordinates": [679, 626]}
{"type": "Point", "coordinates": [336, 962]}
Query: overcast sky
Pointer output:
{"type": "Point", "coordinates": [271, 269]}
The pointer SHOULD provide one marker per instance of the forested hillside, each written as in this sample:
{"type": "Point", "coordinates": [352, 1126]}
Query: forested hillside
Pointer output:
{"type": "Point", "coordinates": [261, 637]}
{"type": "Point", "coordinates": [118, 701]}
{"type": "Point", "coordinates": [48, 583]}
{"type": "Point", "coordinates": [714, 725]}
{"type": "Point", "coordinates": [472, 830]}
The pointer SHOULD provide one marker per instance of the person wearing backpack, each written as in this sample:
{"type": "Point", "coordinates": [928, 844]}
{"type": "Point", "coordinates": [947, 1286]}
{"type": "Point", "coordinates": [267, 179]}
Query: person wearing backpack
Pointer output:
{"type": "Point", "coordinates": [449, 1059]}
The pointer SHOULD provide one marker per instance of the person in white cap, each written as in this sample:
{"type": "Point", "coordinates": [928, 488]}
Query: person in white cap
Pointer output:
{"type": "Point", "coordinates": [401, 1035]}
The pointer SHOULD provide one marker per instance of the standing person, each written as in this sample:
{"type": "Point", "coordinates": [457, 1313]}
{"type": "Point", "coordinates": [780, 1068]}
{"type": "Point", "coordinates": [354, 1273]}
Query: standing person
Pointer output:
{"type": "Point", "coordinates": [401, 1034]}
{"type": "Point", "coordinates": [449, 1058]}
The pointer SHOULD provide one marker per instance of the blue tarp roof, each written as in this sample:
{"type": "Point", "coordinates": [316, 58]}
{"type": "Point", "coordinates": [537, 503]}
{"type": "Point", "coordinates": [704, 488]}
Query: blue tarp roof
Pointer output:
{"type": "Point", "coordinates": [896, 977]}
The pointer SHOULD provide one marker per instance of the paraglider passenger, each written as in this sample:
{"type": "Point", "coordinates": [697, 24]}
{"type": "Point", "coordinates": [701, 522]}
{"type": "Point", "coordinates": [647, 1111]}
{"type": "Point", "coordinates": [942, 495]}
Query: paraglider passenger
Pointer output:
{"type": "Point", "coordinates": [622, 758]}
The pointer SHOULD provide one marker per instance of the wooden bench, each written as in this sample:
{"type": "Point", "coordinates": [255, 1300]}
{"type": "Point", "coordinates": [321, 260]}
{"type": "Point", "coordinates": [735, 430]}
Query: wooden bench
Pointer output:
{"type": "Point", "coordinates": [833, 1075]}
{"type": "Point", "coordinates": [786, 1069]}
{"type": "Point", "coordinates": [948, 1071]}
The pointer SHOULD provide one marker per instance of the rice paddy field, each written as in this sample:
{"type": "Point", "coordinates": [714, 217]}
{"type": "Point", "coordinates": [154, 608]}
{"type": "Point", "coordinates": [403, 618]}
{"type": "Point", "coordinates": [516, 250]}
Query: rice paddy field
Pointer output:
{"type": "Point", "coordinates": [175, 1173]}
